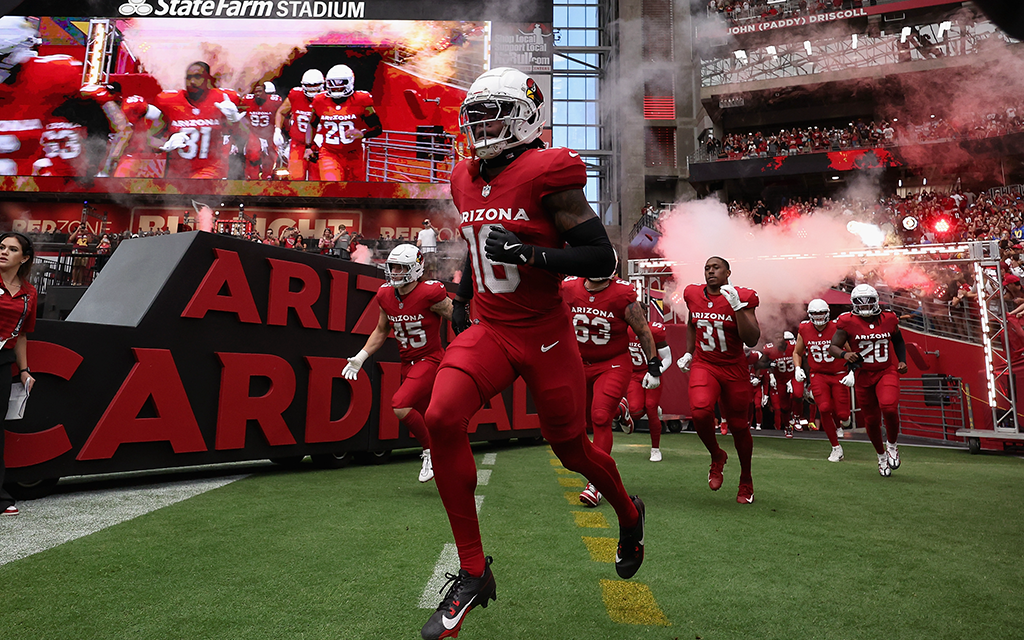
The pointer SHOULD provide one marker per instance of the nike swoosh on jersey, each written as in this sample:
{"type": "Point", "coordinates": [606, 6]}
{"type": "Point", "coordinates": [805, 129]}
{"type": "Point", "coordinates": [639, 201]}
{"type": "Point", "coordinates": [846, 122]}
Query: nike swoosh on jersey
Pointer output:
{"type": "Point", "coordinates": [544, 348]}
{"type": "Point", "coordinates": [616, 366]}
{"type": "Point", "coordinates": [451, 623]}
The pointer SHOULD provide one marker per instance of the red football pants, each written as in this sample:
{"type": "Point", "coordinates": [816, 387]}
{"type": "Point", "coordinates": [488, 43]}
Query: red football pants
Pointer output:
{"type": "Point", "coordinates": [878, 398]}
{"type": "Point", "coordinates": [642, 401]}
{"type": "Point", "coordinates": [731, 390]}
{"type": "Point", "coordinates": [606, 385]}
{"type": "Point", "coordinates": [833, 400]}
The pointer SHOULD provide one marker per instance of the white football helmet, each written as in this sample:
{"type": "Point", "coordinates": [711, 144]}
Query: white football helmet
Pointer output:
{"type": "Point", "coordinates": [817, 311]}
{"type": "Point", "coordinates": [404, 265]}
{"type": "Point", "coordinates": [502, 95]}
{"type": "Point", "coordinates": [865, 301]}
{"type": "Point", "coordinates": [312, 82]}
{"type": "Point", "coordinates": [18, 40]}
{"type": "Point", "coordinates": [340, 82]}
{"type": "Point", "coordinates": [269, 87]}
{"type": "Point", "coordinates": [788, 335]}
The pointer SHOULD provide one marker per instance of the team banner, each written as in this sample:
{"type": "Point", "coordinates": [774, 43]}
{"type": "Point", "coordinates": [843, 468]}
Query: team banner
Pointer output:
{"type": "Point", "coordinates": [197, 348]}
{"type": "Point", "coordinates": [829, 16]}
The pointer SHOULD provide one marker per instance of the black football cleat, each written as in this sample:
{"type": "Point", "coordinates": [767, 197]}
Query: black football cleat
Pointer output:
{"type": "Point", "coordinates": [465, 593]}
{"type": "Point", "coordinates": [630, 553]}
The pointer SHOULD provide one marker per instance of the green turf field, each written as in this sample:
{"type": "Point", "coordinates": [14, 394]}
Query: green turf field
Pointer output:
{"type": "Point", "coordinates": [826, 551]}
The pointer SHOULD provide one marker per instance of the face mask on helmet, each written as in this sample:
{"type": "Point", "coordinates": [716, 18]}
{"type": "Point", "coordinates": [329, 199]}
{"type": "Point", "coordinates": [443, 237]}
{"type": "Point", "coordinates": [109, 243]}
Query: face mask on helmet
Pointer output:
{"type": "Point", "coordinates": [404, 265]}
{"type": "Point", "coordinates": [818, 312]}
{"type": "Point", "coordinates": [865, 301]}
{"type": "Point", "coordinates": [312, 82]}
{"type": "Point", "coordinates": [340, 82]}
{"type": "Point", "coordinates": [502, 111]}
{"type": "Point", "coordinates": [18, 40]}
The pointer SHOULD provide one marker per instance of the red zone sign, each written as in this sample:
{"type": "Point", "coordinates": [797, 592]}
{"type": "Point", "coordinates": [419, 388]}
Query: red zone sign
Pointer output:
{"type": "Point", "coordinates": [238, 356]}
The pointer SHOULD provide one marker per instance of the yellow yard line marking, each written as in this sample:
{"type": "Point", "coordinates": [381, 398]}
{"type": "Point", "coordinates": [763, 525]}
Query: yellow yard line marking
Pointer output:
{"type": "Point", "coordinates": [555, 462]}
{"type": "Point", "coordinates": [601, 549]}
{"type": "Point", "coordinates": [571, 482]}
{"type": "Point", "coordinates": [591, 520]}
{"type": "Point", "coordinates": [631, 603]}
{"type": "Point", "coordinates": [565, 472]}
{"type": "Point", "coordinates": [573, 498]}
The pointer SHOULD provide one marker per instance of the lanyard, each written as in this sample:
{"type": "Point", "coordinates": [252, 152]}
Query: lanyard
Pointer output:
{"type": "Point", "coordinates": [17, 328]}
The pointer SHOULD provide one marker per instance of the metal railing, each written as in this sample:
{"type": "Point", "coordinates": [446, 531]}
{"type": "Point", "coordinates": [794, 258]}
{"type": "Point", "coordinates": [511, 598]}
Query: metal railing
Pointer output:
{"type": "Point", "coordinates": [932, 407]}
{"type": "Point", "coordinates": [827, 55]}
{"type": "Point", "coordinates": [410, 156]}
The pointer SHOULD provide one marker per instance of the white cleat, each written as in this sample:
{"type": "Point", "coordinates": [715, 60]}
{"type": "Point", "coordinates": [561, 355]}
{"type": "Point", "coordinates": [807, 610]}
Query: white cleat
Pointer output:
{"type": "Point", "coordinates": [837, 454]}
{"type": "Point", "coordinates": [894, 455]}
{"type": "Point", "coordinates": [839, 433]}
{"type": "Point", "coordinates": [883, 465]}
{"type": "Point", "coordinates": [655, 454]}
{"type": "Point", "coordinates": [590, 496]}
{"type": "Point", "coordinates": [427, 469]}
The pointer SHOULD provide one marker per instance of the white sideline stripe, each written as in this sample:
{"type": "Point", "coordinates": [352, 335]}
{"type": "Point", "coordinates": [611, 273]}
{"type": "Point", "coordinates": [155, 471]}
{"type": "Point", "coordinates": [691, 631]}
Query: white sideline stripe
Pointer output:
{"type": "Point", "coordinates": [479, 503]}
{"type": "Point", "coordinates": [489, 458]}
{"type": "Point", "coordinates": [447, 563]}
{"type": "Point", "coordinates": [51, 521]}
{"type": "Point", "coordinates": [483, 476]}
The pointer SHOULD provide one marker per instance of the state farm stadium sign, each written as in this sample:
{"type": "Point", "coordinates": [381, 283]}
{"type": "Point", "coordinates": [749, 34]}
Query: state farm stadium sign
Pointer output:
{"type": "Point", "coordinates": [244, 9]}
{"type": "Point", "coordinates": [799, 22]}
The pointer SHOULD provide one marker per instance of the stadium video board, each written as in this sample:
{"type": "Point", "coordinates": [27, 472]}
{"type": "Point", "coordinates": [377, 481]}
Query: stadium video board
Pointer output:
{"type": "Point", "coordinates": [114, 102]}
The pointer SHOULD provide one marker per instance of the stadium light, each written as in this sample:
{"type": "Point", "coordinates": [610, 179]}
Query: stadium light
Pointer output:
{"type": "Point", "coordinates": [855, 41]}
{"type": "Point", "coordinates": [901, 182]}
{"type": "Point", "coordinates": [944, 27]}
{"type": "Point", "coordinates": [741, 55]}
{"type": "Point", "coordinates": [772, 51]}
{"type": "Point", "coordinates": [807, 46]}
{"type": "Point", "coordinates": [941, 225]}
{"type": "Point", "coordinates": [905, 34]}
{"type": "Point", "coordinates": [926, 182]}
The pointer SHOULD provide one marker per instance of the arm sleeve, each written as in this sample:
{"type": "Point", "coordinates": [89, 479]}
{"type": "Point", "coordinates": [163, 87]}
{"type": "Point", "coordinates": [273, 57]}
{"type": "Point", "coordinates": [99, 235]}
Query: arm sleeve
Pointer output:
{"type": "Point", "coordinates": [900, 347]}
{"type": "Point", "coordinates": [465, 288]}
{"type": "Point", "coordinates": [589, 253]}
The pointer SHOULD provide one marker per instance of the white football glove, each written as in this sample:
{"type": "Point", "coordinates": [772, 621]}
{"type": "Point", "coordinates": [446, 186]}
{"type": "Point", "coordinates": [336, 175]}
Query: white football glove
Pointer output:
{"type": "Point", "coordinates": [355, 363]}
{"type": "Point", "coordinates": [684, 362]}
{"type": "Point", "coordinates": [177, 140]}
{"type": "Point", "coordinates": [789, 386]}
{"type": "Point", "coordinates": [264, 145]}
{"type": "Point", "coordinates": [800, 375]}
{"type": "Point", "coordinates": [733, 296]}
{"type": "Point", "coordinates": [754, 381]}
{"type": "Point", "coordinates": [771, 381]}
{"type": "Point", "coordinates": [651, 382]}
{"type": "Point", "coordinates": [848, 379]}
{"type": "Point", "coordinates": [764, 400]}
{"type": "Point", "coordinates": [229, 110]}
{"type": "Point", "coordinates": [278, 138]}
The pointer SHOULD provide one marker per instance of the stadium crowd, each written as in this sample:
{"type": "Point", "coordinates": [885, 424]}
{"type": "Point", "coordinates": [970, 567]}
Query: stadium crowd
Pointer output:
{"type": "Point", "coordinates": [1005, 120]}
{"type": "Point", "coordinates": [739, 10]}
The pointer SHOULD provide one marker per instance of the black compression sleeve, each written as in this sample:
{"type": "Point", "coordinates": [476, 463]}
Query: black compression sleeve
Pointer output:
{"type": "Point", "coordinates": [589, 255]}
{"type": "Point", "coordinates": [465, 289]}
{"type": "Point", "coordinates": [900, 346]}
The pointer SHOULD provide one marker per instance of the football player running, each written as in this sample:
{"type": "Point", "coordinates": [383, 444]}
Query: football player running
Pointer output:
{"type": "Point", "coordinates": [721, 321]}
{"type": "Point", "coordinates": [876, 383]}
{"type": "Point", "coordinates": [296, 111]}
{"type": "Point", "coordinates": [198, 117]}
{"type": "Point", "coordinates": [260, 108]}
{"type": "Point", "coordinates": [641, 396]}
{"type": "Point", "coordinates": [31, 88]}
{"type": "Point", "coordinates": [778, 356]}
{"type": "Point", "coordinates": [832, 398]}
{"type": "Point", "coordinates": [520, 205]}
{"type": "Point", "coordinates": [603, 310]}
{"type": "Point", "coordinates": [414, 310]}
{"type": "Point", "coordinates": [346, 117]}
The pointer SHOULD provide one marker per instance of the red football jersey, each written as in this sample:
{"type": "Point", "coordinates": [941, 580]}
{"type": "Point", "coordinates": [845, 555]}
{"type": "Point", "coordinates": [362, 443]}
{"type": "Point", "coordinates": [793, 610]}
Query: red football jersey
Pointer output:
{"type": "Point", "coordinates": [599, 318]}
{"type": "Point", "coordinates": [339, 120]}
{"type": "Point", "coordinates": [717, 334]}
{"type": "Point", "coordinates": [61, 149]}
{"type": "Point", "coordinates": [816, 344]}
{"type": "Point", "coordinates": [416, 327]}
{"type": "Point", "coordinates": [261, 116]}
{"type": "Point", "coordinates": [781, 356]}
{"type": "Point", "coordinates": [510, 293]}
{"type": "Point", "coordinates": [135, 109]}
{"type": "Point", "coordinates": [871, 339]}
{"type": "Point", "coordinates": [205, 126]}
{"type": "Point", "coordinates": [636, 351]}
{"type": "Point", "coordinates": [302, 110]}
{"type": "Point", "coordinates": [34, 90]}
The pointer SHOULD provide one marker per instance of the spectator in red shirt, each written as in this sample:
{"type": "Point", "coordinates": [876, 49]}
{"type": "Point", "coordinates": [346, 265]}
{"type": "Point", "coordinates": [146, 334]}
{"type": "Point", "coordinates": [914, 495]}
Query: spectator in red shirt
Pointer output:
{"type": "Point", "coordinates": [18, 299]}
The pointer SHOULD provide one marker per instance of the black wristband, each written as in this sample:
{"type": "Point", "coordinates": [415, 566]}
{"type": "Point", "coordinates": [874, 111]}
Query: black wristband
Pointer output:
{"type": "Point", "coordinates": [26, 369]}
{"type": "Point", "coordinates": [654, 366]}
